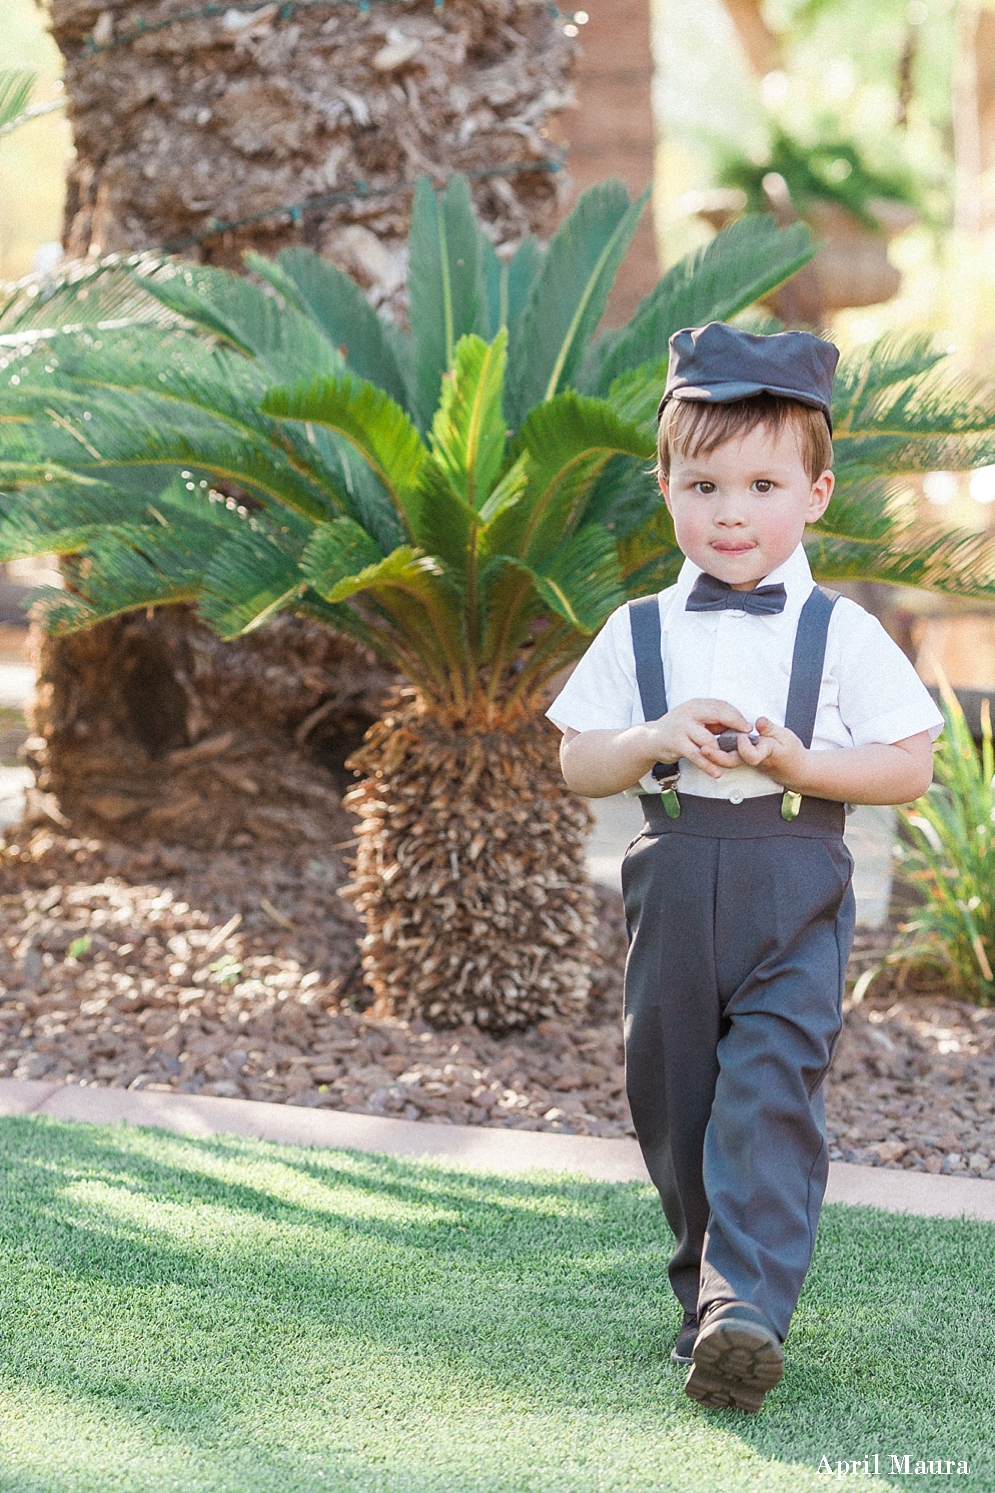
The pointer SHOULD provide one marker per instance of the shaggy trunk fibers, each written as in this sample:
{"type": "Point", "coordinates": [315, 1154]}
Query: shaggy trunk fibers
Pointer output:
{"type": "Point", "coordinates": [245, 112]}
{"type": "Point", "coordinates": [152, 728]}
{"type": "Point", "coordinates": [470, 874]}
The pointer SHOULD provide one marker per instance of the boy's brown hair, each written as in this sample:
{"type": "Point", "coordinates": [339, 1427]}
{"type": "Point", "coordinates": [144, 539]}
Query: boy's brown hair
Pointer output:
{"type": "Point", "coordinates": [695, 428]}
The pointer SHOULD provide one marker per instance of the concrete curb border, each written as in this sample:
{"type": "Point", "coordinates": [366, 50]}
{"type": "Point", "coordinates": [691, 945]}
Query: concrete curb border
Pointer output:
{"type": "Point", "coordinates": [504, 1151]}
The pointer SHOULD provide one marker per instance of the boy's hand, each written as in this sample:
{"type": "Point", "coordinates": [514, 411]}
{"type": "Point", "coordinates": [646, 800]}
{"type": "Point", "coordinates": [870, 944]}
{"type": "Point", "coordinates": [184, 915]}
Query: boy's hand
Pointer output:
{"type": "Point", "coordinates": [689, 730]}
{"type": "Point", "coordinates": [604, 761]}
{"type": "Point", "coordinates": [779, 753]}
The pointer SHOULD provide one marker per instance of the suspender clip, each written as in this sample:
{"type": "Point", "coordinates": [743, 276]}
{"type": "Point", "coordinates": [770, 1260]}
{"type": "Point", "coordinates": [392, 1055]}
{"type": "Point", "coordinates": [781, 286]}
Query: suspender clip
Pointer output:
{"type": "Point", "coordinates": [667, 775]}
{"type": "Point", "coordinates": [790, 805]}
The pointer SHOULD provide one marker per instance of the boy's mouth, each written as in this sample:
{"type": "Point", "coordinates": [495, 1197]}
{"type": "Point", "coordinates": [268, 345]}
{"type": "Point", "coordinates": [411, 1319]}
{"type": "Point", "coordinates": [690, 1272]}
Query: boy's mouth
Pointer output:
{"type": "Point", "coordinates": [728, 547]}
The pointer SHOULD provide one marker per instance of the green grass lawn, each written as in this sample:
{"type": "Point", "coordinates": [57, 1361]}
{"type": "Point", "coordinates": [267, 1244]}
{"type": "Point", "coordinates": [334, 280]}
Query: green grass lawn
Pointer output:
{"type": "Point", "coordinates": [231, 1315]}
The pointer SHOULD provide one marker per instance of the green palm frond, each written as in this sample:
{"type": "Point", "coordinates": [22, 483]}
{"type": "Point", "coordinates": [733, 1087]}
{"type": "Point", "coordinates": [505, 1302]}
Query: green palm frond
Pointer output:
{"type": "Point", "coordinates": [581, 580]}
{"type": "Point", "coordinates": [407, 613]}
{"type": "Point", "coordinates": [446, 284]}
{"type": "Point", "coordinates": [714, 283]}
{"type": "Point", "coordinates": [444, 525]}
{"type": "Point", "coordinates": [892, 359]}
{"type": "Point", "coordinates": [569, 440]}
{"type": "Point", "coordinates": [649, 556]}
{"type": "Point", "coordinates": [142, 398]}
{"type": "Point", "coordinates": [113, 292]}
{"type": "Point", "coordinates": [405, 570]}
{"type": "Point", "coordinates": [282, 338]}
{"type": "Point", "coordinates": [958, 563]}
{"type": "Point", "coordinates": [414, 617]}
{"type": "Point", "coordinates": [369, 420]}
{"type": "Point", "coordinates": [659, 572]}
{"type": "Point", "coordinates": [914, 453]}
{"type": "Point", "coordinates": [371, 347]}
{"type": "Point", "coordinates": [62, 518]}
{"type": "Point", "coordinates": [254, 575]}
{"type": "Point", "coordinates": [158, 557]}
{"type": "Point", "coordinates": [457, 533]}
{"type": "Point", "coordinates": [896, 410]}
{"type": "Point", "coordinates": [468, 432]}
{"type": "Point", "coordinates": [336, 551]}
{"type": "Point", "coordinates": [869, 509]}
{"type": "Point", "coordinates": [569, 295]}
{"type": "Point", "coordinates": [16, 85]}
{"type": "Point", "coordinates": [508, 284]}
{"type": "Point", "coordinates": [624, 495]}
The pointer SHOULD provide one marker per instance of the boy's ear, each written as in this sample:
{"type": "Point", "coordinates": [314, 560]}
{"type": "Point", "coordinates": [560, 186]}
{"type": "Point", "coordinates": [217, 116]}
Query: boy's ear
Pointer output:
{"type": "Point", "coordinates": [822, 491]}
{"type": "Point", "coordinates": [665, 489]}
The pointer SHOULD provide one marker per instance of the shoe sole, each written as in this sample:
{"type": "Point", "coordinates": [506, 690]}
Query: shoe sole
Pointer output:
{"type": "Point", "coordinates": [734, 1364]}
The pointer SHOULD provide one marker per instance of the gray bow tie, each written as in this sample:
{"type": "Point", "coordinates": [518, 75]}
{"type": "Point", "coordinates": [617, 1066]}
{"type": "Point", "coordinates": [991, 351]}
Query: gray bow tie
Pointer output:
{"type": "Point", "coordinates": [711, 595]}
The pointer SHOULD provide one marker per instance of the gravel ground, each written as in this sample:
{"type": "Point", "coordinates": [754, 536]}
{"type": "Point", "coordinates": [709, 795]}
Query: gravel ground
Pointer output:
{"type": "Point", "coordinates": [913, 1081]}
{"type": "Point", "coordinates": [236, 974]}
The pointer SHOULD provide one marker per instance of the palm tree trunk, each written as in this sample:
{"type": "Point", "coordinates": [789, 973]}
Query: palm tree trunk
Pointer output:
{"type": "Point", "coordinates": [248, 113]}
{"type": "Point", "coordinates": [242, 115]}
{"type": "Point", "coordinates": [152, 728]}
{"type": "Point", "coordinates": [470, 873]}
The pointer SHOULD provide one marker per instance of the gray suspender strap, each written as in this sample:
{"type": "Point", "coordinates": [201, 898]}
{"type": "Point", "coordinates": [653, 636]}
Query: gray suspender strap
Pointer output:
{"type": "Point", "coordinates": [807, 663]}
{"type": "Point", "coordinates": [644, 622]}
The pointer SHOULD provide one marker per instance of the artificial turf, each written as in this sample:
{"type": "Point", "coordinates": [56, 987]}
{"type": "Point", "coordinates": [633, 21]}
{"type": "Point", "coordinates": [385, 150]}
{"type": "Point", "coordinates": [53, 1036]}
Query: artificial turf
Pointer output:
{"type": "Point", "coordinates": [231, 1315]}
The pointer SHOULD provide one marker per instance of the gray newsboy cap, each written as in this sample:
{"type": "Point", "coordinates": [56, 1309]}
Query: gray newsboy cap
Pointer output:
{"type": "Point", "coordinates": [718, 364]}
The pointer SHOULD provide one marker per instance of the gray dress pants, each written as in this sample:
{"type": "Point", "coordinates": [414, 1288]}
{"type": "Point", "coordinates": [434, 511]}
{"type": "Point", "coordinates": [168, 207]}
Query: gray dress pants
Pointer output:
{"type": "Point", "coordinates": [740, 927]}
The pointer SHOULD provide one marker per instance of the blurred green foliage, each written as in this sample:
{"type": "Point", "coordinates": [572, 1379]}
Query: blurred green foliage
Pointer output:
{"type": "Point", "coordinates": [949, 858]}
{"type": "Point", "coordinates": [875, 80]}
{"type": "Point", "coordinates": [835, 169]}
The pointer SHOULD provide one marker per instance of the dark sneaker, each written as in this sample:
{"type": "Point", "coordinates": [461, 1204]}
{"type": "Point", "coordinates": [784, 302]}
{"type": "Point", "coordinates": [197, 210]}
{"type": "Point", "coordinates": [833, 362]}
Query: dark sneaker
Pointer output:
{"type": "Point", "coordinates": [737, 1357]}
{"type": "Point", "coordinates": [681, 1351]}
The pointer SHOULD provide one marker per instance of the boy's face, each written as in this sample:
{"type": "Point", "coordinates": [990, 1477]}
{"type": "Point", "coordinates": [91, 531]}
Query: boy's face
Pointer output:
{"type": "Point", "coordinates": [741, 511]}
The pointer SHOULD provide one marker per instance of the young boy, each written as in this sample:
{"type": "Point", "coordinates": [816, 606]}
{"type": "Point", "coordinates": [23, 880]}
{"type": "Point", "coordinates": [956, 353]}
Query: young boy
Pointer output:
{"type": "Point", "coordinates": [749, 705]}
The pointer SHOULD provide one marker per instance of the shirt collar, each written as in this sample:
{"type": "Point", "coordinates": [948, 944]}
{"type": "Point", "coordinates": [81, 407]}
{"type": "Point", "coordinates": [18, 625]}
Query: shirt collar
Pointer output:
{"type": "Point", "coordinates": [795, 573]}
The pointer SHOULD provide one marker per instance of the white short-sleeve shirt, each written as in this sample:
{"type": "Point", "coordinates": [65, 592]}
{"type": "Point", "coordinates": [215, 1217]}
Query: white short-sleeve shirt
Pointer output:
{"type": "Point", "coordinates": [870, 691]}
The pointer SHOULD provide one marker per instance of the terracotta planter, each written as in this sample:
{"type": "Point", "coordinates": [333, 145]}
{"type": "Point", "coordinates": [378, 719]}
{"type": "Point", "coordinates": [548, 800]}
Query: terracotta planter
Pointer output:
{"type": "Point", "coordinates": [853, 268]}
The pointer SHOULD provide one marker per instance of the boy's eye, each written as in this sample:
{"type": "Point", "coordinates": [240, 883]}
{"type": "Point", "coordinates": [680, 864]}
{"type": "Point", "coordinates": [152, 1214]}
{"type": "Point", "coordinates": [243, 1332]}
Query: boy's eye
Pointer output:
{"type": "Point", "coordinates": [704, 487]}
{"type": "Point", "coordinates": [763, 485]}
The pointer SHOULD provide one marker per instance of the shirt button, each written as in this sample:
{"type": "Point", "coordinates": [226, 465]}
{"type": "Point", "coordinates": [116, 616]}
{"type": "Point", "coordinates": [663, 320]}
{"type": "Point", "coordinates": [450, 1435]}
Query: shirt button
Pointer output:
{"type": "Point", "coordinates": [735, 798]}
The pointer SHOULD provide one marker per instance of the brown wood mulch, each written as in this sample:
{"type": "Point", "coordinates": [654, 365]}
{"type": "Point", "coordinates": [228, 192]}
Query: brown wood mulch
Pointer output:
{"type": "Point", "coordinates": [237, 974]}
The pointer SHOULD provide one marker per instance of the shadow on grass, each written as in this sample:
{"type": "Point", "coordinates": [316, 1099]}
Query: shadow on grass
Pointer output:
{"type": "Point", "coordinates": [201, 1291]}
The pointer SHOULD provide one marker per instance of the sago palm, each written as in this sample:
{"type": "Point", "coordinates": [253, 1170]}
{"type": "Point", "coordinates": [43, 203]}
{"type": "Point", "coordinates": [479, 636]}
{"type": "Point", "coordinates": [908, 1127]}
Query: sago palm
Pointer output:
{"type": "Point", "coordinates": [470, 499]}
